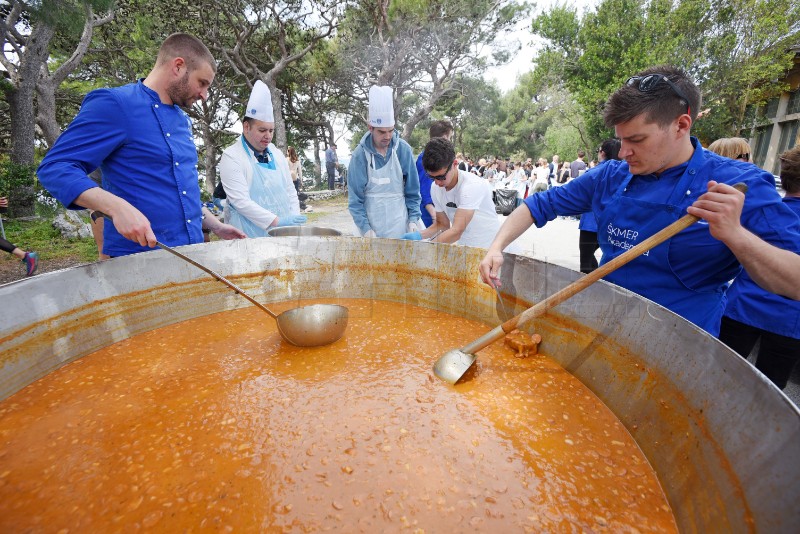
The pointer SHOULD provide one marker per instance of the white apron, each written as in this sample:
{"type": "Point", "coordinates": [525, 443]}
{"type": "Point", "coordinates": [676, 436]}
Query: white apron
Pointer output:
{"type": "Point", "coordinates": [385, 199]}
{"type": "Point", "coordinates": [266, 190]}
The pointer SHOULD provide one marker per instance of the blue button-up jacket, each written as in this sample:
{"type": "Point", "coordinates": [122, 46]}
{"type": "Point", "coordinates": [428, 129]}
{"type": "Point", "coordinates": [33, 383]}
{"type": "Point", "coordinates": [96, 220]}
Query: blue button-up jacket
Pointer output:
{"type": "Point", "coordinates": [147, 156]}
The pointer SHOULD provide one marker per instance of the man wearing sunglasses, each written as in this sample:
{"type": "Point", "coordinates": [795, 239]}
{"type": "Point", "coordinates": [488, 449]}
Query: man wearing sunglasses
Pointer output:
{"type": "Point", "coordinates": [665, 173]}
{"type": "Point", "coordinates": [465, 212]}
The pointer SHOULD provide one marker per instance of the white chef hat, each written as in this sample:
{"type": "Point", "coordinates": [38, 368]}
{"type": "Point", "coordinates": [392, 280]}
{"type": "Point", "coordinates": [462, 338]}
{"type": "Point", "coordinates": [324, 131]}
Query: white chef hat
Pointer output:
{"type": "Point", "coordinates": [381, 107]}
{"type": "Point", "coordinates": [259, 106]}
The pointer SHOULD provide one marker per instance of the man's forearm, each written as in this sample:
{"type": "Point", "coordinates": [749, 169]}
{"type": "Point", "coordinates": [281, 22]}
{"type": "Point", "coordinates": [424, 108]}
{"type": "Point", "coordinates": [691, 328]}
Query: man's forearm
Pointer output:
{"type": "Point", "coordinates": [516, 224]}
{"type": "Point", "coordinates": [772, 268]}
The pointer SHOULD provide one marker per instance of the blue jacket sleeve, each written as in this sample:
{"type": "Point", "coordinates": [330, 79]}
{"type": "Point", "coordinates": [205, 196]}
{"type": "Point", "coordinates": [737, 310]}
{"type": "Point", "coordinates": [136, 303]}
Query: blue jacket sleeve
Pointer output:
{"type": "Point", "coordinates": [573, 198]}
{"type": "Point", "coordinates": [356, 187]}
{"type": "Point", "coordinates": [424, 183]}
{"type": "Point", "coordinates": [409, 166]}
{"type": "Point", "coordinates": [98, 130]}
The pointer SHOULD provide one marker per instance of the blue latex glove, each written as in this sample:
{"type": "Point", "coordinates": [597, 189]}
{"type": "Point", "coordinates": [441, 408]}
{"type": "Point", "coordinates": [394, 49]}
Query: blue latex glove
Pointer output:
{"type": "Point", "coordinates": [292, 220]}
{"type": "Point", "coordinates": [412, 236]}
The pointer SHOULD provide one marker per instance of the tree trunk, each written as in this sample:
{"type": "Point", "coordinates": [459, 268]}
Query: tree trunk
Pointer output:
{"type": "Point", "coordinates": [209, 158]}
{"type": "Point", "coordinates": [280, 122]}
{"type": "Point", "coordinates": [48, 82]}
{"type": "Point", "coordinates": [317, 164]}
{"type": "Point", "coordinates": [21, 99]}
{"type": "Point", "coordinates": [46, 110]}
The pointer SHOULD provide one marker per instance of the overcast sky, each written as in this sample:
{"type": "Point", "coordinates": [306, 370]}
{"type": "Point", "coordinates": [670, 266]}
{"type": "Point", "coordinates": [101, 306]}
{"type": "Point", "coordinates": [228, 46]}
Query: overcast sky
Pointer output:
{"type": "Point", "coordinates": [506, 76]}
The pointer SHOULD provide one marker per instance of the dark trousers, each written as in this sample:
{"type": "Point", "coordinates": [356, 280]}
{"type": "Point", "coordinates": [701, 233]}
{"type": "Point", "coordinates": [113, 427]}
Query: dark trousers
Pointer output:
{"type": "Point", "coordinates": [331, 168]}
{"type": "Point", "coordinates": [777, 355]}
{"type": "Point", "coordinates": [588, 245]}
{"type": "Point", "coordinates": [7, 246]}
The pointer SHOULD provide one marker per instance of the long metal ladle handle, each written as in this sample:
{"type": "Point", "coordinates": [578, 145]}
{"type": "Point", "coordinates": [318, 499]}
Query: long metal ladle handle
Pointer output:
{"type": "Point", "coordinates": [585, 281]}
{"type": "Point", "coordinates": [218, 277]}
{"type": "Point", "coordinates": [206, 269]}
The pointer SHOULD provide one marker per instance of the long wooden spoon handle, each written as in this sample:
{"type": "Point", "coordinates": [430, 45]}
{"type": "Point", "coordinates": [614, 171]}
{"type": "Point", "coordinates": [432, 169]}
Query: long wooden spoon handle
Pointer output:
{"type": "Point", "coordinates": [605, 269]}
{"type": "Point", "coordinates": [585, 281]}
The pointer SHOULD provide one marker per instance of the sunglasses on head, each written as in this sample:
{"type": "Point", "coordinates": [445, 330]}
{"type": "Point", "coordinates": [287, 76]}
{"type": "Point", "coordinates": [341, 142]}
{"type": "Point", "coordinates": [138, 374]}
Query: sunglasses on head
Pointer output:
{"type": "Point", "coordinates": [650, 82]}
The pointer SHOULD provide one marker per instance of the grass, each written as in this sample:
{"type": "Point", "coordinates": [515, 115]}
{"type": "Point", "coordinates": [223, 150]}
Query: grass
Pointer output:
{"type": "Point", "coordinates": [41, 236]}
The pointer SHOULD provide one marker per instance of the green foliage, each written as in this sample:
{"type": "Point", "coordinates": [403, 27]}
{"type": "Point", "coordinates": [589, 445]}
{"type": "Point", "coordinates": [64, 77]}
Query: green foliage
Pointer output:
{"type": "Point", "coordinates": [14, 176]}
{"type": "Point", "coordinates": [41, 236]}
{"type": "Point", "coordinates": [66, 16]}
{"type": "Point", "coordinates": [734, 49]}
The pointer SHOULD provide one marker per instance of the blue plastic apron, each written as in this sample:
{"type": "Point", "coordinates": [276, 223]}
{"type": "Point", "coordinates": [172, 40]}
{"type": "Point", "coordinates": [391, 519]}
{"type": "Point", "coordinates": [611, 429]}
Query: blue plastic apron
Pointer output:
{"type": "Point", "coordinates": [267, 190]}
{"type": "Point", "coordinates": [385, 199]}
{"type": "Point", "coordinates": [626, 222]}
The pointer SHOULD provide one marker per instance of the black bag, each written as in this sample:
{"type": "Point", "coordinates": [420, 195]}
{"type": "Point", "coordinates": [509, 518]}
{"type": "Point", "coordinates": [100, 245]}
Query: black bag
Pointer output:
{"type": "Point", "coordinates": [505, 200]}
{"type": "Point", "coordinates": [219, 191]}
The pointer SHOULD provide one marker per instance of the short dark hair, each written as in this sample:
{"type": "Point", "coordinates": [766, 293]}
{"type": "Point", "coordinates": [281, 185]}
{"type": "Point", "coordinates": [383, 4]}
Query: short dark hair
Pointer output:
{"type": "Point", "coordinates": [189, 47]}
{"type": "Point", "coordinates": [439, 153]}
{"type": "Point", "coordinates": [660, 105]}
{"type": "Point", "coordinates": [581, 153]}
{"type": "Point", "coordinates": [790, 170]}
{"type": "Point", "coordinates": [610, 148]}
{"type": "Point", "coordinates": [440, 129]}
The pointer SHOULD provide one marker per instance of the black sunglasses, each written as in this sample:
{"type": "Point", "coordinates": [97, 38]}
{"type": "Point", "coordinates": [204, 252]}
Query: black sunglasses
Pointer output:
{"type": "Point", "coordinates": [441, 177]}
{"type": "Point", "coordinates": [745, 157]}
{"type": "Point", "coordinates": [649, 83]}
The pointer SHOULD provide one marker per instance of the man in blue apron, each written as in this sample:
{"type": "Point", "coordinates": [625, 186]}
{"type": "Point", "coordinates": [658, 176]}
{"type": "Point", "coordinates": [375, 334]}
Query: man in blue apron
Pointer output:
{"type": "Point", "coordinates": [141, 140]}
{"type": "Point", "coordinates": [255, 174]}
{"type": "Point", "coordinates": [666, 173]}
{"type": "Point", "coordinates": [382, 180]}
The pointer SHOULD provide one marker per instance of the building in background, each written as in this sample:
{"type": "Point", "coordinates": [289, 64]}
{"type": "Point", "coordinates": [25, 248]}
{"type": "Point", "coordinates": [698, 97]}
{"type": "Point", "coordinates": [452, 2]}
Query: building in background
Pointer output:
{"type": "Point", "coordinates": [779, 131]}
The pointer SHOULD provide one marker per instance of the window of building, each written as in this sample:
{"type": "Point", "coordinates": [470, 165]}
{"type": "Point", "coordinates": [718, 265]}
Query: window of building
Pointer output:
{"type": "Point", "coordinates": [772, 108]}
{"type": "Point", "coordinates": [794, 103]}
{"type": "Point", "coordinates": [761, 143]}
{"type": "Point", "coordinates": [788, 140]}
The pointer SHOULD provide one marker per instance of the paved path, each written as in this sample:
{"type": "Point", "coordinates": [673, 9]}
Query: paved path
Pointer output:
{"type": "Point", "coordinates": [556, 242]}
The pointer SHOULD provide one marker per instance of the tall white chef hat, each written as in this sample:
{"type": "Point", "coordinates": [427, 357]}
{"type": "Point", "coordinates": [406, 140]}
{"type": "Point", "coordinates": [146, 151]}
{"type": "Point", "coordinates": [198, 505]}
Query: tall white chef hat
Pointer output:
{"type": "Point", "coordinates": [381, 107]}
{"type": "Point", "coordinates": [259, 106]}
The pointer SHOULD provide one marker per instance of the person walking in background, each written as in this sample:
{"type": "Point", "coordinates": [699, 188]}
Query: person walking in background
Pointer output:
{"type": "Point", "coordinates": [443, 129]}
{"type": "Point", "coordinates": [563, 174]}
{"type": "Point", "coordinates": [295, 168]}
{"type": "Point", "coordinates": [30, 259]}
{"type": "Point", "coordinates": [296, 171]}
{"type": "Point", "coordinates": [554, 167]}
{"type": "Point", "coordinates": [462, 163]}
{"type": "Point", "coordinates": [753, 314]}
{"type": "Point", "coordinates": [587, 240]}
{"type": "Point", "coordinates": [732, 147]}
{"type": "Point", "coordinates": [540, 174]}
{"type": "Point", "coordinates": [382, 181]}
{"type": "Point", "coordinates": [255, 174]}
{"type": "Point", "coordinates": [577, 167]}
{"type": "Point", "coordinates": [142, 141]}
{"type": "Point", "coordinates": [331, 162]}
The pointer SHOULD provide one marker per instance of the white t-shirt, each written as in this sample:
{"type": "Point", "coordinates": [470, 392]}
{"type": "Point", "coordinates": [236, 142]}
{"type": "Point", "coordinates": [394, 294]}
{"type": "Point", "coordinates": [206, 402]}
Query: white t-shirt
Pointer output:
{"type": "Point", "coordinates": [541, 175]}
{"type": "Point", "coordinates": [470, 193]}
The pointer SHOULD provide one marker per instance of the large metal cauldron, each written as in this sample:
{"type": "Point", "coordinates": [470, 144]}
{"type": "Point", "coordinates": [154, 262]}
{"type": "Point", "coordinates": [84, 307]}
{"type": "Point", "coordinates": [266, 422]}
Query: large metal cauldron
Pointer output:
{"type": "Point", "coordinates": [724, 442]}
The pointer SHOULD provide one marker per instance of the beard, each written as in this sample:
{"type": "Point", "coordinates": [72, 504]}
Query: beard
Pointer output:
{"type": "Point", "coordinates": [180, 93]}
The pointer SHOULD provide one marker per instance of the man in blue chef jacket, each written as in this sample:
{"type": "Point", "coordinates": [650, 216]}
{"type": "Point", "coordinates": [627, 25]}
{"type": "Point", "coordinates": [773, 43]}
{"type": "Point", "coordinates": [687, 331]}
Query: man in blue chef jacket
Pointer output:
{"type": "Point", "coordinates": [665, 173]}
{"type": "Point", "coordinates": [142, 141]}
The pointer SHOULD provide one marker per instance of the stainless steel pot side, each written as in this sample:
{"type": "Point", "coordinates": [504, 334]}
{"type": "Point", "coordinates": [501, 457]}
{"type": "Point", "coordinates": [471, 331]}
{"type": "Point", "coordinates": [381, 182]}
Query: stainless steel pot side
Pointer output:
{"type": "Point", "coordinates": [302, 231]}
{"type": "Point", "coordinates": [724, 442]}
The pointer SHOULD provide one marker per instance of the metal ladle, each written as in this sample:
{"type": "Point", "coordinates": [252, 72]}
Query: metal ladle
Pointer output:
{"type": "Point", "coordinates": [307, 326]}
